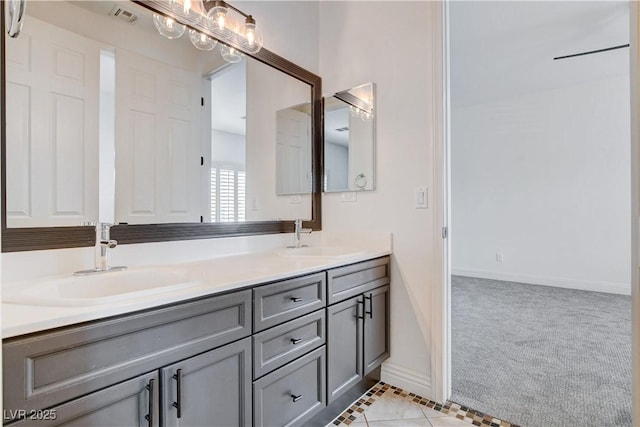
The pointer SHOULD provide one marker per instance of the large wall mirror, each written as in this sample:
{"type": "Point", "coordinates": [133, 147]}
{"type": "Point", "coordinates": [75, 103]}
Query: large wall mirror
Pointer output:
{"type": "Point", "coordinates": [108, 121]}
{"type": "Point", "coordinates": [349, 140]}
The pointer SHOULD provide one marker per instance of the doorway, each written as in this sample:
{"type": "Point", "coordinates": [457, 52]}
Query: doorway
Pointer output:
{"type": "Point", "coordinates": [514, 163]}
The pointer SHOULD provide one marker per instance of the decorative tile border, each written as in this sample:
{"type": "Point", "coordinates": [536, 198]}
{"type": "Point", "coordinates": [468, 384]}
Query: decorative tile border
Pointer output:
{"type": "Point", "coordinates": [452, 409]}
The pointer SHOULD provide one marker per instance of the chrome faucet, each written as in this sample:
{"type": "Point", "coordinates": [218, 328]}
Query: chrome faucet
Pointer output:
{"type": "Point", "coordinates": [103, 244]}
{"type": "Point", "coordinates": [297, 224]}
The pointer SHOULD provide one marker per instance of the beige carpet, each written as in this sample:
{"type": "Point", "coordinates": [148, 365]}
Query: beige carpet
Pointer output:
{"type": "Point", "coordinates": [541, 356]}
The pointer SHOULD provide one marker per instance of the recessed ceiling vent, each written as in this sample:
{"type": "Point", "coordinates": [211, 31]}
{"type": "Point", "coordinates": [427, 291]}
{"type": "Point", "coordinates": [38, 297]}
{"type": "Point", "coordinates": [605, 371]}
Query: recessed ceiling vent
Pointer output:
{"type": "Point", "coordinates": [123, 14]}
{"type": "Point", "coordinates": [344, 129]}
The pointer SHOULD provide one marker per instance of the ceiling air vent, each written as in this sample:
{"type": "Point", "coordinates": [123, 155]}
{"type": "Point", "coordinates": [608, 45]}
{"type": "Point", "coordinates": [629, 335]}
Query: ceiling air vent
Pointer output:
{"type": "Point", "coordinates": [123, 14]}
{"type": "Point", "coordinates": [344, 129]}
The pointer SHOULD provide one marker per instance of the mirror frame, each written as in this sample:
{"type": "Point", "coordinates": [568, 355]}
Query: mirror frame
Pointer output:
{"type": "Point", "coordinates": [40, 238]}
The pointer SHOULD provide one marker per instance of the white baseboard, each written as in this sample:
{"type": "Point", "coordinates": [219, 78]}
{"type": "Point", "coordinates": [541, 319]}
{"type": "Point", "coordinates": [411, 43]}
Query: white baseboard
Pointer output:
{"type": "Point", "coordinates": [608, 287]}
{"type": "Point", "coordinates": [407, 379]}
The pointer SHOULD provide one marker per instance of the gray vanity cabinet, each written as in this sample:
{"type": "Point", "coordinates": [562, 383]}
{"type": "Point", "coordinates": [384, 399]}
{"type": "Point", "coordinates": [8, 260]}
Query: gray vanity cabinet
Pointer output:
{"type": "Point", "coordinates": [213, 388]}
{"type": "Point", "coordinates": [77, 363]}
{"type": "Point", "coordinates": [130, 403]}
{"type": "Point", "coordinates": [357, 323]}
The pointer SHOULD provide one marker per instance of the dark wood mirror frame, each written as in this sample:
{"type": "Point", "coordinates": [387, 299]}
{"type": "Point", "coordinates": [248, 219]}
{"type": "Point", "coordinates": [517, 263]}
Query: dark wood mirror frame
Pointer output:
{"type": "Point", "coordinates": [39, 238]}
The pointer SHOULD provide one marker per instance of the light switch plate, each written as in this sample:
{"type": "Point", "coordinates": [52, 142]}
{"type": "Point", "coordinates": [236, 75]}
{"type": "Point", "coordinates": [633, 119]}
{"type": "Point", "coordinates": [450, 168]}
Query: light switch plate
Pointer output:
{"type": "Point", "coordinates": [421, 198]}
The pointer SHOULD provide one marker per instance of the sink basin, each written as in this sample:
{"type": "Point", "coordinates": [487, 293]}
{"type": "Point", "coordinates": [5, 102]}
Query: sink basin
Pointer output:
{"type": "Point", "coordinates": [101, 288]}
{"type": "Point", "coordinates": [321, 252]}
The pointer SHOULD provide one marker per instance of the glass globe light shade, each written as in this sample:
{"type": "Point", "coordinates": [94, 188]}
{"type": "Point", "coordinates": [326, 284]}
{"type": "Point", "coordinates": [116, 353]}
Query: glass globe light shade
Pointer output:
{"type": "Point", "coordinates": [219, 20]}
{"type": "Point", "coordinates": [230, 54]}
{"type": "Point", "coordinates": [191, 11]}
{"type": "Point", "coordinates": [251, 36]}
{"type": "Point", "coordinates": [202, 41]}
{"type": "Point", "coordinates": [168, 27]}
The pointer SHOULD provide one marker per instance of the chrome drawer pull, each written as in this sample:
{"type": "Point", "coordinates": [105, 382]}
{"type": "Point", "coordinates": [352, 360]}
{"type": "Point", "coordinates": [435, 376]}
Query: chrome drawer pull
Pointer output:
{"type": "Point", "coordinates": [296, 299]}
{"type": "Point", "coordinates": [295, 341]}
{"type": "Point", "coordinates": [296, 398]}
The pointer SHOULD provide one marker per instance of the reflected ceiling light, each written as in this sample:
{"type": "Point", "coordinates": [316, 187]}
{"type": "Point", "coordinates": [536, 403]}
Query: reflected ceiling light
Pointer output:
{"type": "Point", "coordinates": [168, 27]}
{"type": "Point", "coordinates": [189, 11]}
{"type": "Point", "coordinates": [230, 54]}
{"type": "Point", "coordinates": [202, 41]}
{"type": "Point", "coordinates": [363, 115]}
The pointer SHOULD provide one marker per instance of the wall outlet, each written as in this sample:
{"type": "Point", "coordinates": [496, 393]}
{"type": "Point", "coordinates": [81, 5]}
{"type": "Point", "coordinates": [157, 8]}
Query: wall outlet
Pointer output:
{"type": "Point", "coordinates": [295, 199]}
{"type": "Point", "coordinates": [351, 196]}
{"type": "Point", "coordinates": [499, 257]}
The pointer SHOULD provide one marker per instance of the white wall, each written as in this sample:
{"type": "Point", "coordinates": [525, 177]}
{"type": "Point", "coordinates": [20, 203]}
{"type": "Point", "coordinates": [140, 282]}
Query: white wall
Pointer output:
{"type": "Point", "coordinates": [544, 179]}
{"type": "Point", "coordinates": [390, 44]}
{"type": "Point", "coordinates": [290, 28]}
{"type": "Point", "coordinates": [228, 148]}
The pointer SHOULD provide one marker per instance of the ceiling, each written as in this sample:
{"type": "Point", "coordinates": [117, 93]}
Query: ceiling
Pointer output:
{"type": "Point", "coordinates": [506, 48]}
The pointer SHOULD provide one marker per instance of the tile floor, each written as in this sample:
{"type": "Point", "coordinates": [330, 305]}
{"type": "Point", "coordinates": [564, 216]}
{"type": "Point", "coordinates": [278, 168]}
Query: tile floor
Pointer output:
{"type": "Point", "coordinates": [386, 405]}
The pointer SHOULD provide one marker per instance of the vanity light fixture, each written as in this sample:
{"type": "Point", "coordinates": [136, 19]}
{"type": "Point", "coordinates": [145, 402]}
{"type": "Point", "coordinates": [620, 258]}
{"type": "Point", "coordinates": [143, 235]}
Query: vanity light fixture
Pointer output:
{"type": "Point", "coordinates": [211, 21]}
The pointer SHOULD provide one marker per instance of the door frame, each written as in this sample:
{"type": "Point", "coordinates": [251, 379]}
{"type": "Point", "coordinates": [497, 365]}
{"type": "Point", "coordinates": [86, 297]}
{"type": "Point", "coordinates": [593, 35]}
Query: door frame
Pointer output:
{"type": "Point", "coordinates": [634, 55]}
{"type": "Point", "coordinates": [441, 296]}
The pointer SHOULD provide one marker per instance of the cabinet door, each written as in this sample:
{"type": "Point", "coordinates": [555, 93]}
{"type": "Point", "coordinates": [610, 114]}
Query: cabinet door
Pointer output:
{"type": "Point", "coordinates": [344, 346]}
{"type": "Point", "coordinates": [130, 403]}
{"type": "Point", "coordinates": [376, 328]}
{"type": "Point", "coordinates": [213, 388]}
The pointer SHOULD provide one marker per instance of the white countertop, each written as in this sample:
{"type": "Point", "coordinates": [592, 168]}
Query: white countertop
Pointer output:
{"type": "Point", "coordinates": [225, 273]}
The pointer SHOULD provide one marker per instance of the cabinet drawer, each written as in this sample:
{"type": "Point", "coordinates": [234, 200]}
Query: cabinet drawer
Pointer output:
{"type": "Point", "coordinates": [348, 281]}
{"type": "Point", "coordinates": [46, 369]}
{"type": "Point", "coordinates": [282, 344]}
{"type": "Point", "coordinates": [278, 302]}
{"type": "Point", "coordinates": [292, 394]}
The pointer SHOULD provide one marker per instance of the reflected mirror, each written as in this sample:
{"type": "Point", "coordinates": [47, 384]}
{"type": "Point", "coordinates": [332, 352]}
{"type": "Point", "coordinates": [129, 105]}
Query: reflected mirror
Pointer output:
{"type": "Point", "coordinates": [109, 121]}
{"type": "Point", "coordinates": [349, 140]}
